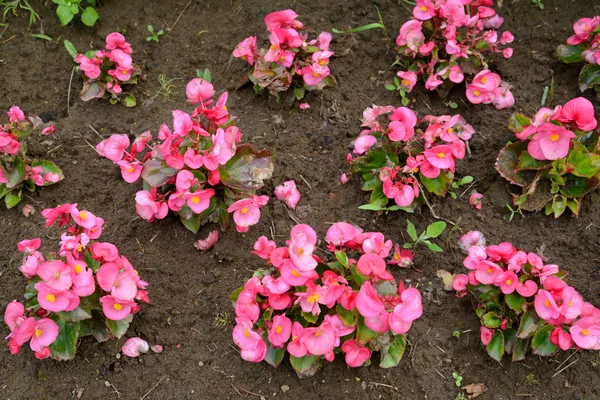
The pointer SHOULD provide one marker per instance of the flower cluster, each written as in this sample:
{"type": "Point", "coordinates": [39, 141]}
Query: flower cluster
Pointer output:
{"type": "Point", "coordinates": [17, 171]}
{"type": "Point", "coordinates": [84, 288]}
{"type": "Point", "coordinates": [584, 46]}
{"type": "Point", "coordinates": [291, 60]}
{"type": "Point", "coordinates": [446, 40]}
{"type": "Point", "coordinates": [198, 169]}
{"type": "Point", "coordinates": [556, 160]}
{"type": "Point", "coordinates": [311, 308]}
{"type": "Point", "coordinates": [397, 161]}
{"type": "Point", "coordinates": [107, 71]}
{"type": "Point", "coordinates": [524, 302]}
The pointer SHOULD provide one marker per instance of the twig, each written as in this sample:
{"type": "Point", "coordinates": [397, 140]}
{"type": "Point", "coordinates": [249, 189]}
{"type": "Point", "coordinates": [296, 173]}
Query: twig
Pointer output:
{"type": "Point", "coordinates": [89, 144]}
{"type": "Point", "coordinates": [4, 30]}
{"type": "Point", "coordinates": [9, 39]}
{"type": "Point", "coordinates": [377, 384]}
{"type": "Point", "coordinates": [565, 368]}
{"type": "Point", "coordinates": [96, 132]}
{"type": "Point", "coordinates": [234, 388]}
{"type": "Point", "coordinates": [51, 150]}
{"type": "Point", "coordinates": [153, 387]}
{"type": "Point", "coordinates": [177, 20]}
{"type": "Point", "coordinates": [568, 358]}
{"type": "Point", "coordinates": [307, 184]}
{"type": "Point", "coordinates": [69, 92]}
{"type": "Point", "coordinates": [249, 392]}
{"type": "Point", "coordinates": [440, 374]}
{"type": "Point", "coordinates": [154, 237]}
{"type": "Point", "coordinates": [293, 217]}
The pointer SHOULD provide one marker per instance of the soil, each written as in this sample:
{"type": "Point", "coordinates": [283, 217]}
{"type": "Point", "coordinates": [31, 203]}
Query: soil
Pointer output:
{"type": "Point", "coordinates": [190, 290]}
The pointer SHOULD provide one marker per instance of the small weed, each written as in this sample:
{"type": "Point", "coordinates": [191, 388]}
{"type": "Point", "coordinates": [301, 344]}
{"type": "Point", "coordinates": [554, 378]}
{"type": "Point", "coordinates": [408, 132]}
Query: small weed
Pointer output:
{"type": "Point", "coordinates": [154, 36]}
{"type": "Point", "coordinates": [531, 380]}
{"type": "Point", "coordinates": [222, 320]}
{"type": "Point", "coordinates": [514, 211]}
{"type": "Point", "coordinates": [457, 379]}
{"type": "Point", "coordinates": [166, 87]}
{"type": "Point", "coordinates": [538, 3]}
{"type": "Point", "coordinates": [13, 5]}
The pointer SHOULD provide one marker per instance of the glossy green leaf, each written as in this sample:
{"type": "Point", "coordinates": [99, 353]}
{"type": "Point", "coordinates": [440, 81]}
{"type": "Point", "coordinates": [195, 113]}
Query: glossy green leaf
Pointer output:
{"type": "Point", "coordinates": [309, 317]}
{"type": "Point", "coordinates": [559, 205]}
{"type": "Point", "coordinates": [119, 328]}
{"type": "Point", "coordinates": [156, 172]}
{"type": "Point", "coordinates": [541, 344]}
{"type": "Point", "coordinates": [305, 366]}
{"type": "Point", "coordinates": [65, 345]}
{"type": "Point", "coordinates": [392, 353]}
{"type": "Point", "coordinates": [77, 314]}
{"type": "Point", "coordinates": [411, 230]}
{"type": "Point", "coordinates": [526, 161]}
{"type": "Point", "coordinates": [342, 257]}
{"type": "Point", "coordinates": [517, 121]}
{"type": "Point", "coordinates": [589, 76]}
{"type": "Point", "coordinates": [363, 333]}
{"type": "Point", "coordinates": [569, 54]}
{"type": "Point", "coordinates": [65, 15]}
{"type": "Point", "coordinates": [17, 174]}
{"type": "Point", "coordinates": [495, 347]}
{"type": "Point", "coordinates": [192, 224]}
{"type": "Point", "coordinates": [438, 186]}
{"type": "Point", "coordinates": [48, 166]}
{"type": "Point", "coordinates": [348, 317]}
{"type": "Point", "coordinates": [129, 101]}
{"type": "Point", "coordinates": [434, 230]}
{"type": "Point", "coordinates": [528, 325]}
{"type": "Point", "coordinates": [515, 301]}
{"type": "Point", "coordinates": [70, 48]}
{"type": "Point", "coordinates": [89, 16]}
{"type": "Point", "coordinates": [583, 163]}
{"type": "Point", "coordinates": [11, 200]}
{"type": "Point", "coordinates": [247, 169]}
{"type": "Point", "coordinates": [506, 163]}
{"type": "Point", "coordinates": [491, 320]}
{"type": "Point", "coordinates": [520, 349]}
{"type": "Point", "coordinates": [274, 357]}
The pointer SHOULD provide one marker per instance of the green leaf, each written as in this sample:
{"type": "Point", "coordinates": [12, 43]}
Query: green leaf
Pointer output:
{"type": "Point", "coordinates": [274, 357]}
{"type": "Point", "coordinates": [506, 163]}
{"type": "Point", "coordinates": [206, 75]}
{"type": "Point", "coordinates": [247, 169]}
{"type": "Point", "coordinates": [65, 345]}
{"type": "Point", "coordinates": [465, 180]}
{"type": "Point", "coordinates": [541, 344]}
{"type": "Point", "coordinates": [17, 174]}
{"type": "Point", "coordinates": [435, 248]}
{"type": "Point", "coordinates": [4, 190]}
{"type": "Point", "coordinates": [119, 328]}
{"type": "Point", "coordinates": [526, 161]}
{"type": "Point", "coordinates": [342, 257]}
{"type": "Point", "coordinates": [367, 27]}
{"type": "Point", "coordinates": [236, 293]}
{"type": "Point", "coordinates": [65, 15]}
{"type": "Point", "coordinates": [305, 366]}
{"type": "Point", "coordinates": [569, 54]}
{"type": "Point", "coordinates": [559, 205]}
{"type": "Point", "coordinates": [11, 200]}
{"type": "Point", "coordinates": [192, 224]}
{"type": "Point", "coordinates": [438, 186]}
{"type": "Point", "coordinates": [491, 320]}
{"type": "Point", "coordinates": [42, 37]}
{"type": "Point", "coordinates": [156, 172]}
{"type": "Point", "coordinates": [520, 349]}
{"type": "Point", "coordinates": [91, 263]}
{"type": "Point", "coordinates": [528, 325]}
{"type": "Point", "coordinates": [77, 314]}
{"type": "Point", "coordinates": [374, 159]}
{"type": "Point", "coordinates": [89, 16]}
{"type": "Point", "coordinates": [363, 333]}
{"type": "Point", "coordinates": [515, 301]}
{"type": "Point", "coordinates": [390, 87]}
{"type": "Point", "coordinates": [309, 317]}
{"type": "Point", "coordinates": [348, 317]}
{"type": "Point", "coordinates": [411, 230]}
{"type": "Point", "coordinates": [392, 354]}
{"type": "Point", "coordinates": [495, 347]}
{"type": "Point", "coordinates": [371, 207]}
{"type": "Point", "coordinates": [129, 101]}
{"type": "Point", "coordinates": [517, 121]}
{"type": "Point", "coordinates": [48, 166]}
{"type": "Point", "coordinates": [299, 92]}
{"type": "Point", "coordinates": [434, 230]}
{"type": "Point", "coordinates": [589, 76]}
{"type": "Point", "coordinates": [583, 163]}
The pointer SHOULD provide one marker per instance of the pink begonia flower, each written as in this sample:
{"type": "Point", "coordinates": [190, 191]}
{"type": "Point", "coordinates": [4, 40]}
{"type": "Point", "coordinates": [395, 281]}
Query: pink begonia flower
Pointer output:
{"type": "Point", "coordinates": [48, 130]}
{"type": "Point", "coordinates": [503, 97]}
{"type": "Point", "coordinates": [200, 200]}
{"type": "Point", "coordinates": [264, 247]}
{"type": "Point", "coordinates": [104, 251]}
{"type": "Point", "coordinates": [252, 346]}
{"type": "Point", "coordinates": [118, 282]}
{"type": "Point", "coordinates": [55, 300]}
{"type": "Point", "coordinates": [374, 242]}
{"type": "Point", "coordinates": [411, 35]}
{"type": "Point", "coordinates": [460, 282]}
{"type": "Point", "coordinates": [56, 274]}
{"type": "Point", "coordinates": [282, 20]}
{"type": "Point", "coordinates": [373, 266]}
{"type": "Point", "coordinates": [368, 301]}
{"type": "Point", "coordinates": [281, 331]}
{"type": "Point", "coordinates": [246, 50]}
{"type": "Point", "coordinates": [310, 299]}
{"type": "Point", "coordinates": [275, 285]}
{"type": "Point", "coordinates": [116, 309]}
{"type": "Point", "coordinates": [280, 301]}
{"type": "Point", "coordinates": [209, 242]}
{"type": "Point", "coordinates": [572, 303]}
{"type": "Point", "coordinates": [441, 157]}
{"type": "Point", "coordinates": [148, 208]}
{"type": "Point", "coordinates": [424, 10]}
{"type": "Point", "coordinates": [403, 258]}
{"type": "Point", "coordinates": [14, 315]}
{"type": "Point", "coordinates": [304, 106]}
{"type": "Point", "coordinates": [52, 177]}
{"type": "Point", "coordinates": [199, 90]}
{"type": "Point", "coordinates": [403, 195]}
{"type": "Point", "coordinates": [157, 348]}
{"type": "Point", "coordinates": [246, 306]}
{"type": "Point", "coordinates": [356, 355]}
{"type": "Point", "coordinates": [83, 218]}
{"type": "Point", "coordinates": [545, 306]}
{"type": "Point", "coordinates": [408, 80]}
{"type": "Point", "coordinates": [43, 333]}
{"type": "Point", "coordinates": [29, 266]}
{"type": "Point", "coordinates": [433, 82]}
{"type": "Point", "coordinates": [454, 11]}
{"type": "Point", "coordinates": [561, 338]}
{"type": "Point", "coordinates": [295, 347]}
{"type": "Point", "coordinates": [507, 281]}
{"type": "Point", "coordinates": [551, 142]}
{"type": "Point", "coordinates": [133, 347]}
{"type": "Point", "coordinates": [319, 340]}
{"type": "Point", "coordinates": [113, 147]}
{"type": "Point", "coordinates": [456, 74]}
{"type": "Point", "coordinates": [364, 143]}
{"type": "Point", "coordinates": [475, 200]}
{"type": "Point", "coordinates": [585, 332]}
{"type": "Point", "coordinates": [130, 171]}
{"type": "Point", "coordinates": [246, 212]}
{"type": "Point", "coordinates": [182, 123]}
{"type": "Point", "coordinates": [527, 288]}
{"type": "Point", "coordinates": [117, 41]}
{"type": "Point", "coordinates": [486, 335]}
{"type": "Point", "coordinates": [15, 114]}
{"type": "Point", "coordinates": [340, 233]}
{"type": "Point", "coordinates": [470, 239]}
{"type": "Point", "coordinates": [29, 245]}
{"type": "Point", "coordinates": [580, 111]}
{"type": "Point", "coordinates": [584, 29]}
{"type": "Point", "coordinates": [301, 249]}
{"type": "Point", "coordinates": [486, 272]}
{"type": "Point", "coordinates": [288, 193]}
{"type": "Point", "coordinates": [500, 252]}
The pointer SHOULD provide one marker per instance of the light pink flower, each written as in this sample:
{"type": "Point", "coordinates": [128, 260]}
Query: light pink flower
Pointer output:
{"type": "Point", "coordinates": [48, 130]}
{"type": "Point", "coordinates": [199, 90]}
{"type": "Point", "coordinates": [304, 106]}
{"type": "Point", "coordinates": [15, 114]}
{"type": "Point", "coordinates": [117, 41]}
{"type": "Point", "coordinates": [200, 200]}
{"type": "Point", "coordinates": [580, 111]}
{"type": "Point", "coordinates": [56, 274]}
{"type": "Point", "coordinates": [363, 143]}
{"type": "Point", "coordinates": [585, 332]}
{"type": "Point", "coordinates": [424, 10]}
{"type": "Point", "coordinates": [133, 347]}
{"type": "Point", "coordinates": [116, 309]}
{"type": "Point", "coordinates": [408, 79]}
{"type": "Point", "coordinates": [340, 233]}
{"type": "Point", "coordinates": [282, 20]}
{"type": "Point", "coordinates": [55, 300]}
{"type": "Point", "coordinates": [486, 335]}
{"type": "Point", "coordinates": [113, 147]}
{"type": "Point", "coordinates": [45, 332]}
{"type": "Point", "coordinates": [148, 208]}
{"type": "Point", "coordinates": [246, 212]}
{"type": "Point", "coordinates": [551, 142]}
{"type": "Point", "coordinates": [288, 193]}
{"type": "Point", "coordinates": [475, 200]}
{"type": "Point", "coordinates": [280, 331]}
{"type": "Point", "coordinates": [527, 288]}
{"type": "Point", "coordinates": [356, 355]}
{"type": "Point", "coordinates": [374, 266]}
{"type": "Point", "coordinates": [118, 282]}
{"type": "Point", "coordinates": [246, 50]}
{"type": "Point", "coordinates": [264, 247]}
{"type": "Point", "coordinates": [545, 306]}
{"type": "Point", "coordinates": [130, 171]}
{"type": "Point", "coordinates": [441, 157]}
{"type": "Point", "coordinates": [209, 242]}
{"type": "Point", "coordinates": [319, 340]}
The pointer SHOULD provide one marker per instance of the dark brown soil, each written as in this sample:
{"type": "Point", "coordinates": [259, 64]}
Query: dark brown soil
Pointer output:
{"type": "Point", "coordinates": [189, 289]}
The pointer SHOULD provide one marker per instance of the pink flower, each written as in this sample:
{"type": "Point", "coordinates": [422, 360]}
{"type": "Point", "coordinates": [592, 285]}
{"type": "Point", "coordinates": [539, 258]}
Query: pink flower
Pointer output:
{"type": "Point", "coordinates": [368, 301]}
{"type": "Point", "coordinates": [507, 281]}
{"type": "Point", "coordinates": [503, 97]}
{"type": "Point", "coordinates": [356, 355]}
{"type": "Point", "coordinates": [561, 338]}
{"type": "Point", "coordinates": [585, 332]}
{"type": "Point", "coordinates": [580, 111]}
{"type": "Point", "coordinates": [551, 142]}
{"type": "Point", "coordinates": [310, 299]}
{"type": "Point", "coordinates": [340, 233]}
{"type": "Point", "coordinates": [301, 249]}
{"type": "Point", "coordinates": [460, 282]}
{"type": "Point", "coordinates": [56, 274]}
{"type": "Point", "coordinates": [408, 80]}
{"type": "Point", "coordinates": [319, 340]}
{"type": "Point", "coordinates": [441, 157]}
{"type": "Point", "coordinates": [470, 239]}
{"type": "Point", "coordinates": [113, 147]}
{"type": "Point", "coordinates": [55, 300]}
{"type": "Point", "coordinates": [148, 208]}
{"type": "Point", "coordinates": [200, 200]}
{"type": "Point", "coordinates": [264, 247]}
{"type": "Point", "coordinates": [117, 41]}
{"type": "Point", "coordinates": [14, 315]}
{"type": "Point", "coordinates": [545, 306]}
{"type": "Point", "coordinates": [402, 258]}
{"type": "Point", "coordinates": [133, 347]}
{"type": "Point", "coordinates": [209, 242]}
{"type": "Point", "coordinates": [288, 193]}
{"type": "Point", "coordinates": [486, 335]}
{"type": "Point", "coordinates": [45, 332]}
{"type": "Point", "coordinates": [246, 212]}
{"type": "Point", "coordinates": [424, 10]}
{"type": "Point", "coordinates": [104, 251]}
{"type": "Point", "coordinates": [29, 246]}
{"type": "Point", "coordinates": [527, 288]}
{"type": "Point", "coordinates": [48, 130]}
{"type": "Point", "coordinates": [572, 303]}
{"type": "Point", "coordinates": [584, 29]}
{"type": "Point", "coordinates": [314, 74]}
{"type": "Point", "coordinates": [118, 282]}
{"type": "Point", "coordinates": [363, 143]}
{"type": "Point", "coordinates": [15, 114]}
{"type": "Point", "coordinates": [486, 272]}
{"type": "Point", "coordinates": [304, 106]}
{"type": "Point", "coordinates": [199, 90]}
{"type": "Point", "coordinates": [454, 11]}
{"type": "Point", "coordinates": [456, 74]}
{"type": "Point", "coordinates": [280, 331]}
{"type": "Point", "coordinates": [130, 171]}
{"type": "Point", "coordinates": [475, 200]}
{"type": "Point", "coordinates": [250, 342]}
{"type": "Point", "coordinates": [246, 50]}
{"type": "Point", "coordinates": [282, 20]}
{"type": "Point", "coordinates": [411, 35]}
{"type": "Point", "coordinates": [373, 266]}
{"type": "Point", "coordinates": [116, 309]}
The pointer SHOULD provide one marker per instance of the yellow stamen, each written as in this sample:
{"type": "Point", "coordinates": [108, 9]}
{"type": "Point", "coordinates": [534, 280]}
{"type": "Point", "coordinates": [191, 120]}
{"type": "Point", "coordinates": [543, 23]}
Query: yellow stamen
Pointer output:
{"type": "Point", "coordinates": [323, 62]}
{"type": "Point", "coordinates": [476, 92]}
{"type": "Point", "coordinates": [318, 333]}
{"type": "Point", "coordinates": [83, 215]}
{"type": "Point", "coordinates": [50, 297]}
{"type": "Point", "coordinates": [313, 298]}
{"type": "Point", "coordinates": [244, 58]}
{"type": "Point", "coordinates": [295, 273]}
{"type": "Point", "coordinates": [316, 74]}
{"type": "Point", "coordinates": [56, 275]}
{"type": "Point", "coordinates": [585, 332]}
{"type": "Point", "coordinates": [124, 71]}
{"type": "Point", "coordinates": [77, 268]}
{"type": "Point", "coordinates": [554, 137]}
{"type": "Point", "coordinates": [281, 59]}
{"type": "Point", "coordinates": [38, 332]}
{"type": "Point", "coordinates": [195, 200]}
{"type": "Point", "coordinates": [117, 306]}
{"type": "Point", "coordinates": [450, 130]}
{"type": "Point", "coordinates": [244, 211]}
{"type": "Point", "coordinates": [130, 169]}
{"type": "Point", "coordinates": [396, 256]}
{"type": "Point", "coordinates": [508, 282]}
{"type": "Point", "coordinates": [300, 251]}
{"type": "Point", "coordinates": [441, 155]}
{"type": "Point", "coordinates": [273, 47]}
{"type": "Point", "coordinates": [490, 270]}
{"type": "Point", "coordinates": [483, 80]}
{"type": "Point", "coordinates": [278, 329]}
{"type": "Point", "coordinates": [423, 8]}
{"type": "Point", "coordinates": [246, 333]}
{"type": "Point", "coordinates": [405, 82]}
{"type": "Point", "coordinates": [80, 248]}
{"type": "Point", "coordinates": [547, 303]}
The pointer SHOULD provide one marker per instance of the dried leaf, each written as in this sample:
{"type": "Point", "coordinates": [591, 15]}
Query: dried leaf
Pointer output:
{"type": "Point", "coordinates": [475, 389]}
{"type": "Point", "coordinates": [446, 277]}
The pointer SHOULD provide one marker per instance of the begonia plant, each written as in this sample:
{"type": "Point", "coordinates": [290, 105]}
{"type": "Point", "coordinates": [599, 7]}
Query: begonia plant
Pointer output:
{"type": "Point", "coordinates": [447, 41]}
{"type": "Point", "coordinates": [313, 307]}
{"type": "Point", "coordinates": [556, 160]}
{"type": "Point", "coordinates": [584, 46]}
{"type": "Point", "coordinates": [523, 302]}
{"type": "Point", "coordinates": [106, 72]}
{"type": "Point", "coordinates": [17, 170]}
{"type": "Point", "coordinates": [402, 160]}
{"type": "Point", "coordinates": [294, 59]}
{"type": "Point", "coordinates": [83, 288]}
{"type": "Point", "coordinates": [199, 169]}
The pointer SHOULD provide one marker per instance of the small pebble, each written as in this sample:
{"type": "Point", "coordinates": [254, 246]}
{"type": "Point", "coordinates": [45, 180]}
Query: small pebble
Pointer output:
{"type": "Point", "coordinates": [285, 388]}
{"type": "Point", "coordinates": [201, 364]}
